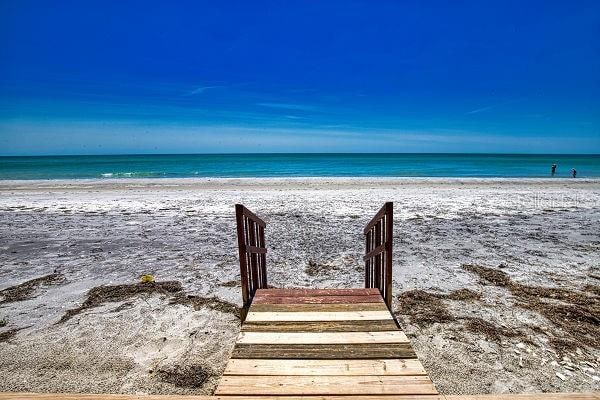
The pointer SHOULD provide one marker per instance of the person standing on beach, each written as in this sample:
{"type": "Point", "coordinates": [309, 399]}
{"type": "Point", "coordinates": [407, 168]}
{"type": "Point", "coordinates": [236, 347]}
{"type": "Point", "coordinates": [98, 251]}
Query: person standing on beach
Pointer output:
{"type": "Point", "coordinates": [553, 169]}
{"type": "Point", "coordinates": [574, 172]}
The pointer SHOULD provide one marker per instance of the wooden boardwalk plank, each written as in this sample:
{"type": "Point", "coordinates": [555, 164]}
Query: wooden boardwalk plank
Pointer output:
{"type": "Point", "coordinates": [324, 385]}
{"type": "Point", "coordinates": [87, 396]}
{"type": "Point", "coordinates": [323, 342]}
{"type": "Point", "coordinates": [238, 366]}
{"type": "Point", "coordinates": [324, 351]}
{"type": "Point", "coordinates": [319, 326]}
{"type": "Point", "coordinates": [317, 300]}
{"type": "Point", "coordinates": [380, 306]}
{"type": "Point", "coordinates": [321, 338]}
{"type": "Point", "coordinates": [293, 292]}
{"type": "Point", "coordinates": [318, 316]}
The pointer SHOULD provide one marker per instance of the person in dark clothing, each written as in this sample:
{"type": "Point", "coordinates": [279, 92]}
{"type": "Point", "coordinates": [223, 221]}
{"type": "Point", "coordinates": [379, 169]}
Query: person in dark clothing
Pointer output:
{"type": "Point", "coordinates": [574, 172]}
{"type": "Point", "coordinates": [553, 169]}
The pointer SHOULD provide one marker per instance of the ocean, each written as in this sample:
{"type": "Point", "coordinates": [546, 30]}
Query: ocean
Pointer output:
{"type": "Point", "coordinates": [298, 165]}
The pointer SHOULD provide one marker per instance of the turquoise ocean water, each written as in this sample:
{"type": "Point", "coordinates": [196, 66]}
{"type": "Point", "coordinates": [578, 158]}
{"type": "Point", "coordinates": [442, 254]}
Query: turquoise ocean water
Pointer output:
{"type": "Point", "coordinates": [296, 165]}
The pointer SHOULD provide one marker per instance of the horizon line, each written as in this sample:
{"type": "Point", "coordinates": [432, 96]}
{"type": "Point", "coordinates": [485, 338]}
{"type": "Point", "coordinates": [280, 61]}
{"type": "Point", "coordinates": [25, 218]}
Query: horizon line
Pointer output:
{"type": "Point", "coordinates": [297, 153]}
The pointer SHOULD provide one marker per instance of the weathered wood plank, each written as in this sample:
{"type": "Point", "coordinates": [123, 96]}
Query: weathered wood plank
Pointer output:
{"type": "Point", "coordinates": [380, 306]}
{"type": "Point", "coordinates": [238, 366]}
{"type": "Point", "coordinates": [321, 337]}
{"type": "Point", "coordinates": [528, 396]}
{"type": "Point", "coordinates": [324, 385]}
{"type": "Point", "coordinates": [324, 351]}
{"type": "Point", "coordinates": [319, 326]}
{"type": "Point", "coordinates": [85, 396]}
{"type": "Point", "coordinates": [319, 316]}
{"type": "Point", "coordinates": [77, 396]}
{"type": "Point", "coordinates": [293, 292]}
{"type": "Point", "coordinates": [317, 300]}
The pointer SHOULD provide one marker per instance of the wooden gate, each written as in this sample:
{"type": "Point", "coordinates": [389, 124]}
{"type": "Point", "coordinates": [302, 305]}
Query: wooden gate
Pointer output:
{"type": "Point", "coordinates": [252, 251]}
{"type": "Point", "coordinates": [378, 253]}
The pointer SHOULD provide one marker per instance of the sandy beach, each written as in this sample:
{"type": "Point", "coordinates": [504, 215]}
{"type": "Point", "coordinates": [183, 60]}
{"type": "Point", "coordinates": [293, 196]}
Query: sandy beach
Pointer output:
{"type": "Point", "coordinates": [496, 281]}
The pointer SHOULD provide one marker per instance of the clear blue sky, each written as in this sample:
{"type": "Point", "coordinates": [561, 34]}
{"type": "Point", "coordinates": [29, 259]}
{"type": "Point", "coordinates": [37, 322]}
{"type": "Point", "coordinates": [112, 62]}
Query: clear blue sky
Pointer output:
{"type": "Point", "coordinates": [102, 77]}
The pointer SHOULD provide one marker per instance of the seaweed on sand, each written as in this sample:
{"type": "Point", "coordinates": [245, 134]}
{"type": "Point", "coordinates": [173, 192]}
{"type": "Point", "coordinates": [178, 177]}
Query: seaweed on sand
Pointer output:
{"type": "Point", "coordinates": [172, 289]}
{"type": "Point", "coordinates": [426, 307]}
{"type": "Point", "coordinates": [27, 290]}
{"type": "Point", "coordinates": [489, 330]}
{"type": "Point", "coordinates": [9, 334]}
{"type": "Point", "coordinates": [192, 377]}
{"type": "Point", "coordinates": [214, 303]}
{"type": "Point", "coordinates": [576, 313]}
{"type": "Point", "coordinates": [314, 268]}
{"type": "Point", "coordinates": [423, 307]}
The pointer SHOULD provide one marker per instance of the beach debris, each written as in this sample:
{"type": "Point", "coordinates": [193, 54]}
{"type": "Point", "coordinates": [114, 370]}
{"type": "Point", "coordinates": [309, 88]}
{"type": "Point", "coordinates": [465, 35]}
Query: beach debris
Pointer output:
{"type": "Point", "coordinates": [188, 376]}
{"type": "Point", "coordinates": [214, 303]}
{"type": "Point", "coordinates": [27, 290]}
{"type": "Point", "coordinates": [491, 331]}
{"type": "Point", "coordinates": [463, 294]}
{"type": "Point", "coordinates": [3, 322]}
{"type": "Point", "coordinates": [561, 376]}
{"type": "Point", "coordinates": [147, 278]}
{"type": "Point", "coordinates": [575, 312]}
{"type": "Point", "coordinates": [171, 289]}
{"type": "Point", "coordinates": [116, 293]}
{"type": "Point", "coordinates": [7, 335]}
{"type": "Point", "coordinates": [425, 307]}
{"type": "Point", "coordinates": [314, 268]}
{"type": "Point", "coordinates": [232, 283]}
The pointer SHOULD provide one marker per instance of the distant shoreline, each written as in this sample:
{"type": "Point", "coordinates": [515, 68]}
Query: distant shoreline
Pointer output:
{"type": "Point", "coordinates": [288, 183]}
{"type": "Point", "coordinates": [290, 165]}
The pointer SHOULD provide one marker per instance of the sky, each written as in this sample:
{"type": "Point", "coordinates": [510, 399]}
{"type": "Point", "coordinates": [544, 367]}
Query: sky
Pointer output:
{"type": "Point", "coordinates": [120, 77]}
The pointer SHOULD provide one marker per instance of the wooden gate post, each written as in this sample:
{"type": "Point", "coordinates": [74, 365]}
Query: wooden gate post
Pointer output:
{"type": "Point", "coordinates": [252, 253]}
{"type": "Point", "coordinates": [379, 234]}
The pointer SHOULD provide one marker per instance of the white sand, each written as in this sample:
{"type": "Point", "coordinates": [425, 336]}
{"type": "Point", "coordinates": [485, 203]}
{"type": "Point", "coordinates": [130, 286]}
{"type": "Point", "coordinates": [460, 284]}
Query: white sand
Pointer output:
{"type": "Point", "coordinates": [544, 232]}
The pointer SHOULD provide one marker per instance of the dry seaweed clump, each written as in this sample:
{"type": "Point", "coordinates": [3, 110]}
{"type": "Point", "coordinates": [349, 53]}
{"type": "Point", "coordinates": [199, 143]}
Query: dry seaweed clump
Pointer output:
{"type": "Point", "coordinates": [189, 377]}
{"type": "Point", "coordinates": [575, 312]}
{"type": "Point", "coordinates": [489, 330]}
{"type": "Point", "coordinates": [314, 268]}
{"type": "Point", "coordinates": [423, 307]}
{"type": "Point", "coordinates": [233, 283]}
{"type": "Point", "coordinates": [462, 294]}
{"type": "Point", "coordinates": [27, 290]}
{"type": "Point", "coordinates": [172, 289]}
{"type": "Point", "coordinates": [115, 293]}
{"type": "Point", "coordinates": [7, 335]}
{"type": "Point", "coordinates": [426, 308]}
{"type": "Point", "coordinates": [498, 278]}
{"type": "Point", "coordinates": [214, 303]}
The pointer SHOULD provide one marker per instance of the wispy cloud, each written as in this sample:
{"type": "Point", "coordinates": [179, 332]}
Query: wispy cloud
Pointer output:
{"type": "Point", "coordinates": [482, 109]}
{"type": "Point", "coordinates": [202, 89]}
{"type": "Point", "coordinates": [490, 107]}
{"type": "Point", "coordinates": [288, 106]}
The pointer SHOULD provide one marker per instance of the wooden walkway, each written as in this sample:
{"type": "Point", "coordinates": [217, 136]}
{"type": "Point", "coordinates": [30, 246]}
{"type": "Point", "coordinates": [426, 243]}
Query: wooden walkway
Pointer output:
{"type": "Point", "coordinates": [316, 344]}
{"type": "Point", "coordinates": [81, 396]}
{"type": "Point", "coordinates": [322, 342]}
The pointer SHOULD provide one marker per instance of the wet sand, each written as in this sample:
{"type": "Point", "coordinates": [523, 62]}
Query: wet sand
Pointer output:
{"type": "Point", "coordinates": [497, 279]}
